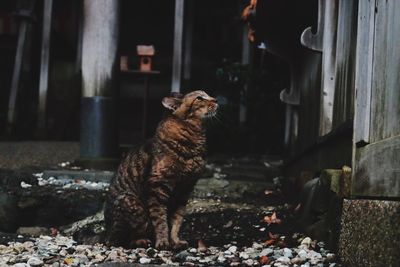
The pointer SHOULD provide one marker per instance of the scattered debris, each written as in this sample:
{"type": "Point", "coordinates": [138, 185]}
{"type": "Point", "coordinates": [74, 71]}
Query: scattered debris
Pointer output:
{"type": "Point", "coordinates": [273, 219]}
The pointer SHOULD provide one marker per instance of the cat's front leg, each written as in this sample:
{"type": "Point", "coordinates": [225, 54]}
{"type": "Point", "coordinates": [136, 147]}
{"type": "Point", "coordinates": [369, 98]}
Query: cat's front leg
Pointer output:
{"type": "Point", "coordinates": [157, 203]}
{"type": "Point", "coordinates": [176, 220]}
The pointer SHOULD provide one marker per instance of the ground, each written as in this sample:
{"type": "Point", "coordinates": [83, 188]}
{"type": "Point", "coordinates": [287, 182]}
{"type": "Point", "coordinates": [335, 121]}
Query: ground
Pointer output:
{"type": "Point", "coordinates": [238, 216]}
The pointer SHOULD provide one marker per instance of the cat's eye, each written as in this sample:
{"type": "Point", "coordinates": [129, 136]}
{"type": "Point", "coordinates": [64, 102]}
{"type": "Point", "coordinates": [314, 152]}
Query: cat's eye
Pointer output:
{"type": "Point", "coordinates": [200, 98]}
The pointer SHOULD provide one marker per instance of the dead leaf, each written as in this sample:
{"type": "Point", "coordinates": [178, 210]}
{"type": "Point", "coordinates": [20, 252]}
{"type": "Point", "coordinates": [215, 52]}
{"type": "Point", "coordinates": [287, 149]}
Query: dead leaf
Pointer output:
{"type": "Point", "coordinates": [264, 260]}
{"type": "Point", "coordinates": [273, 219]}
{"type": "Point", "coordinates": [68, 261]}
{"type": "Point", "coordinates": [270, 242]}
{"type": "Point", "coordinates": [272, 239]}
{"type": "Point", "coordinates": [273, 236]}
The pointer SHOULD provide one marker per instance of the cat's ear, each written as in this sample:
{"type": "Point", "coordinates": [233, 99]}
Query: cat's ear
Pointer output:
{"type": "Point", "coordinates": [171, 103]}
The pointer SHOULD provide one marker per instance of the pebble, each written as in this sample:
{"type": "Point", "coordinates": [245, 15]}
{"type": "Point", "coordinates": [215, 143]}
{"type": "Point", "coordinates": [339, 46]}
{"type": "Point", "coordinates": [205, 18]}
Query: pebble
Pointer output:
{"type": "Point", "coordinates": [302, 254]}
{"type": "Point", "coordinates": [232, 249]}
{"type": "Point", "coordinates": [221, 258]}
{"type": "Point", "coordinates": [64, 250]}
{"type": "Point", "coordinates": [284, 260]}
{"type": "Point", "coordinates": [181, 256]}
{"type": "Point", "coordinates": [144, 260]}
{"type": "Point", "coordinates": [249, 262]}
{"type": "Point", "coordinates": [297, 260]}
{"type": "Point", "coordinates": [257, 246]}
{"type": "Point", "coordinates": [287, 253]}
{"type": "Point", "coordinates": [25, 185]}
{"type": "Point", "coordinates": [267, 252]}
{"type": "Point", "coordinates": [306, 241]}
{"type": "Point", "coordinates": [35, 262]}
{"type": "Point", "coordinates": [330, 257]}
{"type": "Point", "coordinates": [244, 255]}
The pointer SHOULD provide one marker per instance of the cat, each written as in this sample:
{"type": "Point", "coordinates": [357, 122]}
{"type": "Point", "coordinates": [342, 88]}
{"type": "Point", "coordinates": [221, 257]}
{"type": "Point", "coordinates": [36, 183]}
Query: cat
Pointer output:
{"type": "Point", "coordinates": [147, 197]}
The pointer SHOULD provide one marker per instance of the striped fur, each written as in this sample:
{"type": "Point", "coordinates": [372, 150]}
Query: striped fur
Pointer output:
{"type": "Point", "coordinates": [147, 198]}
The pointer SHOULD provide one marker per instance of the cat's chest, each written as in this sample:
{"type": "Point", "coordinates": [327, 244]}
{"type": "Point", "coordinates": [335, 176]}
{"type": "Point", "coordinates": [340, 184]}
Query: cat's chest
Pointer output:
{"type": "Point", "coordinates": [192, 167]}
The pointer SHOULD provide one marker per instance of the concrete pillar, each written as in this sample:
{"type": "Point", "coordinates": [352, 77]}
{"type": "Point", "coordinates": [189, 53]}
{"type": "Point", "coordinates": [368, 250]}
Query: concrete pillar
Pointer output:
{"type": "Point", "coordinates": [99, 53]}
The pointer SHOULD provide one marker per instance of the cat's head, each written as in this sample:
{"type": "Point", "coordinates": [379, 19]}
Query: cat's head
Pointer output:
{"type": "Point", "coordinates": [196, 104]}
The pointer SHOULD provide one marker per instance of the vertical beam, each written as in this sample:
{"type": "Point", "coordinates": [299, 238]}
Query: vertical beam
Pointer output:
{"type": "Point", "coordinates": [177, 55]}
{"type": "Point", "coordinates": [15, 83]}
{"type": "Point", "coordinates": [16, 78]}
{"type": "Point", "coordinates": [78, 60]}
{"type": "Point", "coordinates": [187, 59]}
{"type": "Point", "coordinates": [44, 66]}
{"type": "Point", "coordinates": [245, 61]}
{"type": "Point", "coordinates": [328, 66]}
{"type": "Point", "coordinates": [364, 63]}
{"type": "Point", "coordinates": [99, 46]}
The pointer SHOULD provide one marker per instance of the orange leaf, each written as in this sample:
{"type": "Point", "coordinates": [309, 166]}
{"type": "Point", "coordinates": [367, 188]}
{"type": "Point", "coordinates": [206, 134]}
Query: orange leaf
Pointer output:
{"type": "Point", "coordinates": [269, 242]}
{"type": "Point", "coordinates": [273, 219]}
{"type": "Point", "coordinates": [273, 236]}
{"type": "Point", "coordinates": [264, 260]}
{"type": "Point", "coordinates": [68, 261]}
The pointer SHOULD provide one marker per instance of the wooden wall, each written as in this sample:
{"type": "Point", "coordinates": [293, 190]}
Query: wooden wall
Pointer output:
{"type": "Point", "coordinates": [326, 80]}
{"type": "Point", "coordinates": [377, 118]}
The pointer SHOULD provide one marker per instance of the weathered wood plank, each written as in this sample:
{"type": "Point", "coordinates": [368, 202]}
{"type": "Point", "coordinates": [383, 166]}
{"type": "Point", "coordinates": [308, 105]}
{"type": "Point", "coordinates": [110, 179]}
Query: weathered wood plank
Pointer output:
{"type": "Point", "coordinates": [364, 60]}
{"type": "Point", "coordinates": [386, 72]}
{"type": "Point", "coordinates": [345, 62]}
{"type": "Point", "coordinates": [177, 55]}
{"type": "Point", "coordinates": [377, 172]}
{"type": "Point", "coordinates": [328, 66]}
{"type": "Point", "coordinates": [44, 66]}
{"type": "Point", "coordinates": [25, 14]}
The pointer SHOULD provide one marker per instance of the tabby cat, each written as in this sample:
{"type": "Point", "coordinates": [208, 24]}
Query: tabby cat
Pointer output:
{"type": "Point", "coordinates": [147, 198]}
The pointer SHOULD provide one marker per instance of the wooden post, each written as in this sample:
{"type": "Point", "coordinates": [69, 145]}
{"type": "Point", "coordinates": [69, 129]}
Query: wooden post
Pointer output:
{"type": "Point", "coordinates": [99, 130]}
{"type": "Point", "coordinates": [78, 60]}
{"type": "Point", "coordinates": [99, 46]}
{"type": "Point", "coordinates": [328, 67]}
{"type": "Point", "coordinates": [44, 67]}
{"type": "Point", "coordinates": [25, 16]}
{"type": "Point", "coordinates": [177, 56]}
{"type": "Point", "coordinates": [187, 59]}
{"type": "Point", "coordinates": [245, 61]}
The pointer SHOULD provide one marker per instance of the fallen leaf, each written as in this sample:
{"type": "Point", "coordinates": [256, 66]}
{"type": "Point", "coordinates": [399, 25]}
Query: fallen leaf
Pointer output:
{"type": "Point", "coordinates": [273, 236]}
{"type": "Point", "coordinates": [68, 261]}
{"type": "Point", "coordinates": [264, 260]}
{"type": "Point", "coordinates": [270, 242]}
{"type": "Point", "coordinates": [272, 239]}
{"type": "Point", "coordinates": [273, 219]}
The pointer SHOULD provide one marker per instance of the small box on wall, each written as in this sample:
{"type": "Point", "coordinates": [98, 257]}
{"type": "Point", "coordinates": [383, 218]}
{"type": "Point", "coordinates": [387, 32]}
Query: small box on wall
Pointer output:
{"type": "Point", "coordinates": [145, 53]}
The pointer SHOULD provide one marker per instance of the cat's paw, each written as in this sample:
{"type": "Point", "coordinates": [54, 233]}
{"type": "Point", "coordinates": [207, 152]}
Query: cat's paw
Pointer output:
{"type": "Point", "coordinates": [141, 243]}
{"type": "Point", "coordinates": [162, 244]}
{"type": "Point", "coordinates": [179, 244]}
